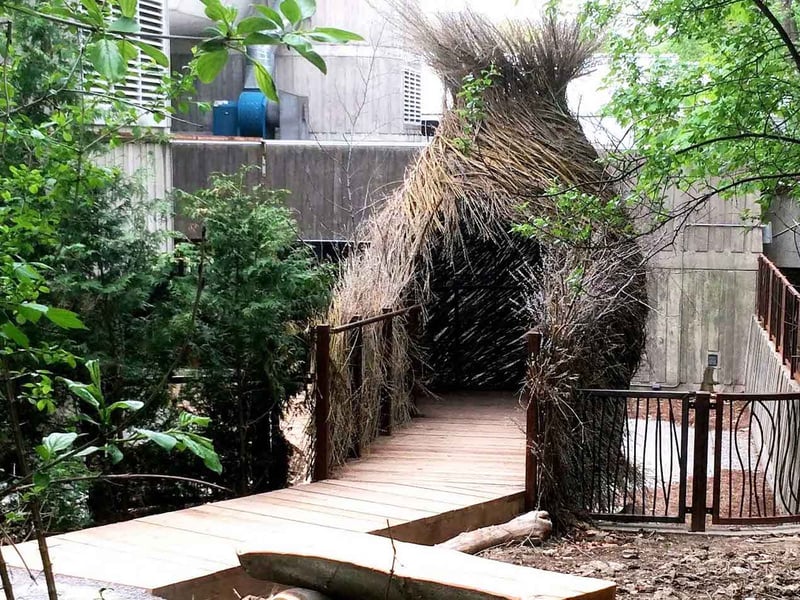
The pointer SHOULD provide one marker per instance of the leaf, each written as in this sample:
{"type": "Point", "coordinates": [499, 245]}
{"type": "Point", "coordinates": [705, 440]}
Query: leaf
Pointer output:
{"type": "Point", "coordinates": [83, 391]}
{"type": "Point", "coordinates": [13, 333]}
{"type": "Point", "coordinates": [166, 441]}
{"type": "Point", "coordinates": [58, 442]}
{"type": "Point", "coordinates": [128, 51]}
{"type": "Point", "coordinates": [32, 311]}
{"type": "Point", "coordinates": [124, 25]}
{"type": "Point", "coordinates": [93, 12]}
{"type": "Point", "coordinates": [156, 55]}
{"type": "Point", "coordinates": [291, 11]}
{"type": "Point", "coordinates": [26, 271]}
{"type": "Point", "coordinates": [114, 453]}
{"type": "Point", "coordinates": [271, 15]}
{"type": "Point", "coordinates": [214, 10]}
{"type": "Point", "coordinates": [126, 404]}
{"type": "Point", "coordinates": [210, 64]}
{"type": "Point", "coordinates": [106, 58]}
{"type": "Point", "coordinates": [89, 450]}
{"type": "Point", "coordinates": [332, 35]}
{"type": "Point", "coordinates": [315, 59]}
{"type": "Point", "coordinates": [66, 319]}
{"type": "Point", "coordinates": [261, 39]}
{"type": "Point", "coordinates": [253, 24]}
{"type": "Point", "coordinates": [41, 480]}
{"type": "Point", "coordinates": [93, 366]}
{"type": "Point", "coordinates": [307, 8]}
{"type": "Point", "coordinates": [128, 8]}
{"type": "Point", "coordinates": [297, 42]}
{"type": "Point", "coordinates": [202, 448]}
{"type": "Point", "coordinates": [265, 82]}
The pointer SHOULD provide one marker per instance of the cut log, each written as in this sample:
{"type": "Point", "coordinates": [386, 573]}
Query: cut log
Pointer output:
{"type": "Point", "coordinates": [535, 525]}
{"type": "Point", "coordinates": [343, 564]}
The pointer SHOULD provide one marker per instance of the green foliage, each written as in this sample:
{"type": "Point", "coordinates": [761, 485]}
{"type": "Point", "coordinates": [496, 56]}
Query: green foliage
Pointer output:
{"type": "Point", "coordinates": [471, 106]}
{"type": "Point", "coordinates": [273, 27]}
{"type": "Point", "coordinates": [709, 92]}
{"type": "Point", "coordinates": [574, 217]}
{"type": "Point", "coordinates": [261, 286]}
{"type": "Point", "coordinates": [85, 282]}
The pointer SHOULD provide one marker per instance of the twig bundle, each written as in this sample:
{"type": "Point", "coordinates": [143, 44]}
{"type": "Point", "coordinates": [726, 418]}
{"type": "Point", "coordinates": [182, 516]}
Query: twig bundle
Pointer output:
{"type": "Point", "coordinates": [588, 299]}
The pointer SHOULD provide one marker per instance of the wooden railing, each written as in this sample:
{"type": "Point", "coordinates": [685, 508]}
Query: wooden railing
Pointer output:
{"type": "Point", "coordinates": [533, 344]}
{"type": "Point", "coordinates": [778, 311]}
{"type": "Point", "coordinates": [354, 330]}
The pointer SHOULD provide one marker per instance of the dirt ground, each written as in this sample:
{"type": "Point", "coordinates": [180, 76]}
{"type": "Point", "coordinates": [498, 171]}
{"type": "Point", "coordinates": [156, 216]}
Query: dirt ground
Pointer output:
{"type": "Point", "coordinates": [662, 566]}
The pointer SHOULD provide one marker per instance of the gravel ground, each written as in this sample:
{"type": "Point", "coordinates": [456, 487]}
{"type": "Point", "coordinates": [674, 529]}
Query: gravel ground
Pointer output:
{"type": "Point", "coordinates": [662, 566]}
{"type": "Point", "coordinates": [27, 587]}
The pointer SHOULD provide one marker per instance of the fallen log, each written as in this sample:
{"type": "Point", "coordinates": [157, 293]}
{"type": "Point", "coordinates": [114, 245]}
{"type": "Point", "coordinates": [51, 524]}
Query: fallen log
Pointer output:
{"type": "Point", "coordinates": [535, 525]}
{"type": "Point", "coordinates": [343, 564]}
{"type": "Point", "coordinates": [298, 594]}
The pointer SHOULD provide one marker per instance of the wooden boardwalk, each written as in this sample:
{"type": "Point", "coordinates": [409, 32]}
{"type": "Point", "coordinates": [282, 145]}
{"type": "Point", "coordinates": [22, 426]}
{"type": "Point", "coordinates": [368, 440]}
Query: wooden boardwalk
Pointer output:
{"type": "Point", "coordinates": [457, 467]}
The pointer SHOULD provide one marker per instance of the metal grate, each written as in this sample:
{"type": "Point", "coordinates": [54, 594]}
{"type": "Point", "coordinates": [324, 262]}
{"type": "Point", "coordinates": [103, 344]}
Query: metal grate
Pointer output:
{"type": "Point", "coordinates": [412, 97]}
{"type": "Point", "coordinates": [144, 77]}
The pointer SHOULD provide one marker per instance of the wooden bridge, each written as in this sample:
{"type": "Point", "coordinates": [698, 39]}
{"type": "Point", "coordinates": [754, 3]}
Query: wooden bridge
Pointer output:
{"type": "Point", "coordinates": [458, 466]}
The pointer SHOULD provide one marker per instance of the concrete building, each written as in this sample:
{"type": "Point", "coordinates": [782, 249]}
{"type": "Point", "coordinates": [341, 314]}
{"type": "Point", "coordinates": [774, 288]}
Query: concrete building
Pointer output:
{"type": "Point", "coordinates": [373, 89]}
{"type": "Point", "coordinates": [363, 130]}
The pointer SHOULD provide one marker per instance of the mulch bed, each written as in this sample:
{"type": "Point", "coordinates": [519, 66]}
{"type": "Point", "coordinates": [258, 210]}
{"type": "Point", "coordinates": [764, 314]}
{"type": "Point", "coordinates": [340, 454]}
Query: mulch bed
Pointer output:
{"type": "Point", "coordinates": [663, 566]}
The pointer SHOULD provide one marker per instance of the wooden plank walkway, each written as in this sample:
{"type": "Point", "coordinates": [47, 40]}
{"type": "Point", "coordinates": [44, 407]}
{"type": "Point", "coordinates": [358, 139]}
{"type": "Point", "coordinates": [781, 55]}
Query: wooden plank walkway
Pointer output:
{"type": "Point", "coordinates": [457, 467]}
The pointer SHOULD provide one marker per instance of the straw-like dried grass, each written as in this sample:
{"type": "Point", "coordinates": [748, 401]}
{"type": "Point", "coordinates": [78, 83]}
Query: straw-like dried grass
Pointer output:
{"type": "Point", "coordinates": [587, 300]}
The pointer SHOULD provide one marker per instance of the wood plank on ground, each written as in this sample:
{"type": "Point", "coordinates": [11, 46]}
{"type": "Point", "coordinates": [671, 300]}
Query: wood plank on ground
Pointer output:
{"type": "Point", "coordinates": [370, 568]}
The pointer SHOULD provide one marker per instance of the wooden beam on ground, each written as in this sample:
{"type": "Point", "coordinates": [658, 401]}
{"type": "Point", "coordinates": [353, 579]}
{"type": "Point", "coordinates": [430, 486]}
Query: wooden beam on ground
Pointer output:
{"type": "Point", "coordinates": [356, 565]}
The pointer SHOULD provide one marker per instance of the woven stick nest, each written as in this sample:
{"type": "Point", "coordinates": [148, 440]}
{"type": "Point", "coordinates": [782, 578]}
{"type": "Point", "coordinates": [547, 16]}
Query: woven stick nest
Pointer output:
{"type": "Point", "coordinates": [455, 212]}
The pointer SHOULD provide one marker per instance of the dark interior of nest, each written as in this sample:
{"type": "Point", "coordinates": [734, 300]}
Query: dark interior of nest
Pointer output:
{"type": "Point", "coordinates": [476, 315]}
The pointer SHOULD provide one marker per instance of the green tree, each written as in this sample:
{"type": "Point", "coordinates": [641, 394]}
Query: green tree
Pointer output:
{"type": "Point", "coordinates": [56, 119]}
{"type": "Point", "coordinates": [709, 93]}
{"type": "Point", "coordinates": [261, 286]}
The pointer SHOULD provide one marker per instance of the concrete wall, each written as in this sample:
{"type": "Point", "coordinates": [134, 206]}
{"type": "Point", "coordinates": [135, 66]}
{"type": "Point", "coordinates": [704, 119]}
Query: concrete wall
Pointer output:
{"type": "Point", "coordinates": [777, 423]}
{"type": "Point", "coordinates": [333, 186]}
{"type": "Point", "coordinates": [784, 247]}
{"type": "Point", "coordinates": [702, 294]}
{"type": "Point", "coordinates": [150, 165]}
{"type": "Point", "coordinates": [764, 371]}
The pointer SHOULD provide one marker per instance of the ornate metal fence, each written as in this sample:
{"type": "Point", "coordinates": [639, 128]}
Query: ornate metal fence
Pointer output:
{"type": "Point", "coordinates": [756, 459]}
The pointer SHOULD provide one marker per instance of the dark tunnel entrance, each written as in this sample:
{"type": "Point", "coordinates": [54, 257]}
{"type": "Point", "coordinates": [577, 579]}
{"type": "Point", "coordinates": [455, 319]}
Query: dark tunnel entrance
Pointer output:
{"type": "Point", "coordinates": [477, 313]}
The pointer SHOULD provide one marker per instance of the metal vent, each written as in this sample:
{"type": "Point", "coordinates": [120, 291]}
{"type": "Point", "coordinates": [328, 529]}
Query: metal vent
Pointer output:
{"type": "Point", "coordinates": [144, 76]}
{"type": "Point", "coordinates": [412, 97]}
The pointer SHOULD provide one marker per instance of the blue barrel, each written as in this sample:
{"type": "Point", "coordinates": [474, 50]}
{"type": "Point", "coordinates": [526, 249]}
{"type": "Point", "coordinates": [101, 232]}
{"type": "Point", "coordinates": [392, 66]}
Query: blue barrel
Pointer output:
{"type": "Point", "coordinates": [225, 119]}
{"type": "Point", "coordinates": [253, 114]}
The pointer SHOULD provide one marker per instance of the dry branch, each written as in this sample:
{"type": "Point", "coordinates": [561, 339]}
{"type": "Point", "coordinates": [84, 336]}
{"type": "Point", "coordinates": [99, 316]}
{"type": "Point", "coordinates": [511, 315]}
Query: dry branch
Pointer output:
{"type": "Point", "coordinates": [454, 213]}
{"type": "Point", "coordinates": [535, 526]}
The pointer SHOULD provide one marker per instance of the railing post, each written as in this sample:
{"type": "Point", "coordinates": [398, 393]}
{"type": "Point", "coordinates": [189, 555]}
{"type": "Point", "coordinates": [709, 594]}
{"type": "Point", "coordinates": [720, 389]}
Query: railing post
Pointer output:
{"type": "Point", "coordinates": [768, 304]}
{"type": "Point", "coordinates": [413, 332]}
{"type": "Point", "coordinates": [356, 380]}
{"type": "Point", "coordinates": [759, 275]}
{"type": "Point", "coordinates": [702, 405]}
{"type": "Point", "coordinates": [322, 443]}
{"type": "Point", "coordinates": [779, 341]}
{"type": "Point", "coordinates": [533, 340]}
{"type": "Point", "coordinates": [387, 335]}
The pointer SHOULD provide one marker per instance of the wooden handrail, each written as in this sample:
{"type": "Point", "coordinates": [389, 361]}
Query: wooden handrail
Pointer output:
{"type": "Point", "coordinates": [375, 319]}
{"type": "Point", "coordinates": [355, 366]}
{"type": "Point", "coordinates": [778, 312]}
